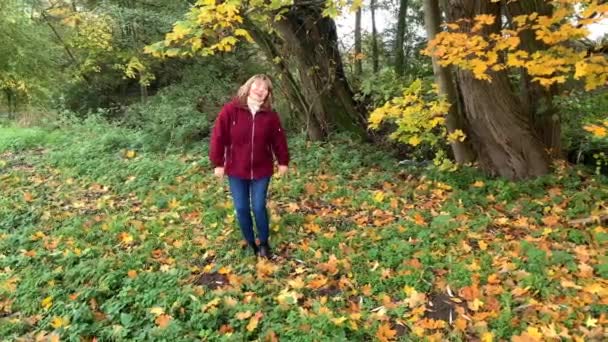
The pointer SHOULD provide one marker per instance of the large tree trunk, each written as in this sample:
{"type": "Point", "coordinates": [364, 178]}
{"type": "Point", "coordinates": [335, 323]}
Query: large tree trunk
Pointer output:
{"type": "Point", "coordinates": [358, 62]}
{"type": "Point", "coordinates": [536, 98]}
{"type": "Point", "coordinates": [374, 37]}
{"type": "Point", "coordinates": [401, 26]}
{"type": "Point", "coordinates": [500, 127]}
{"type": "Point", "coordinates": [312, 40]}
{"type": "Point", "coordinates": [462, 150]}
{"type": "Point", "coordinates": [272, 46]}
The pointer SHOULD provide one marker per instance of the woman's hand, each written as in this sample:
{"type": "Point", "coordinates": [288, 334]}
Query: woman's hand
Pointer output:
{"type": "Point", "coordinates": [282, 170]}
{"type": "Point", "coordinates": [219, 172]}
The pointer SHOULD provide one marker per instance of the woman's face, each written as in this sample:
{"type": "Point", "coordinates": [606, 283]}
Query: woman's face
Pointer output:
{"type": "Point", "coordinates": [258, 90]}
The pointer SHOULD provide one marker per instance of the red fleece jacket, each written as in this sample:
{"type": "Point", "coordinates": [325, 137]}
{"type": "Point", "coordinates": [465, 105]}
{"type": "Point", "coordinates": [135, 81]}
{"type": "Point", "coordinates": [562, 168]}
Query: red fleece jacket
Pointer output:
{"type": "Point", "coordinates": [244, 144]}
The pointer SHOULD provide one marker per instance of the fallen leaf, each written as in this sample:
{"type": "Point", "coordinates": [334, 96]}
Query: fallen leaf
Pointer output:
{"type": "Point", "coordinates": [385, 333]}
{"type": "Point", "coordinates": [243, 315]}
{"type": "Point", "coordinates": [47, 302]}
{"type": "Point", "coordinates": [253, 322]}
{"type": "Point", "coordinates": [163, 321]}
{"type": "Point", "coordinates": [157, 311]}
{"type": "Point", "coordinates": [59, 322]}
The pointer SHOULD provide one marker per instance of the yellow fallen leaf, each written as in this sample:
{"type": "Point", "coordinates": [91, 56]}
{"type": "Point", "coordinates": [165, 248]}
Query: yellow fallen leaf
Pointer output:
{"type": "Point", "coordinates": [59, 322]}
{"type": "Point", "coordinates": [130, 154]}
{"type": "Point", "coordinates": [243, 315]}
{"type": "Point", "coordinates": [482, 245]}
{"type": "Point", "coordinates": [379, 196]}
{"type": "Point", "coordinates": [47, 302]}
{"type": "Point", "coordinates": [157, 311]}
{"type": "Point", "coordinates": [230, 302]}
{"type": "Point", "coordinates": [296, 283]}
{"type": "Point", "coordinates": [253, 322]}
{"type": "Point", "coordinates": [479, 184]}
{"type": "Point", "coordinates": [338, 321]}
{"type": "Point", "coordinates": [487, 337]}
{"type": "Point", "coordinates": [591, 322]}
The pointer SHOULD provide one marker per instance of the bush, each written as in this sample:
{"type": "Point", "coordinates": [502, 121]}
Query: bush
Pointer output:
{"type": "Point", "coordinates": [182, 114]}
{"type": "Point", "coordinates": [580, 109]}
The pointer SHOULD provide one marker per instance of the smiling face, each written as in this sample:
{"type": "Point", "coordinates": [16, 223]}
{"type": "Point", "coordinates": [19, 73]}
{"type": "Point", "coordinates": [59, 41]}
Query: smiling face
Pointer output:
{"type": "Point", "coordinates": [258, 90]}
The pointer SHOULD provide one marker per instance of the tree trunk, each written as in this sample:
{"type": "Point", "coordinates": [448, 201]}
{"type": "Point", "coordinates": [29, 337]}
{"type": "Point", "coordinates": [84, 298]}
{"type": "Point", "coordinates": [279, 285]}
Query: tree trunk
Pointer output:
{"type": "Point", "coordinates": [143, 90]}
{"type": "Point", "coordinates": [9, 103]}
{"type": "Point", "coordinates": [271, 48]}
{"type": "Point", "coordinates": [374, 37]}
{"type": "Point", "coordinates": [500, 127]}
{"type": "Point", "coordinates": [462, 150]}
{"type": "Point", "coordinates": [401, 26]}
{"type": "Point", "coordinates": [312, 39]}
{"type": "Point", "coordinates": [358, 63]}
{"type": "Point", "coordinates": [536, 98]}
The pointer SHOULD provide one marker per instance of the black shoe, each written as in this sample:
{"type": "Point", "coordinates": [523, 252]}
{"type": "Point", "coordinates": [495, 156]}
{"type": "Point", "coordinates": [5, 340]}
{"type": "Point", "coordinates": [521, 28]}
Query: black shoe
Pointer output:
{"type": "Point", "coordinates": [265, 250]}
{"type": "Point", "coordinates": [255, 248]}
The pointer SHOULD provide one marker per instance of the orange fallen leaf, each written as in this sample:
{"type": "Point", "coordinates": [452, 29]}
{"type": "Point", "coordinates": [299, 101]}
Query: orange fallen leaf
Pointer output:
{"type": "Point", "coordinates": [28, 197]}
{"type": "Point", "coordinates": [385, 333]}
{"type": "Point", "coordinates": [163, 321]}
{"type": "Point", "coordinates": [318, 282]}
{"type": "Point", "coordinates": [419, 219]}
{"type": "Point", "coordinates": [551, 221]}
{"type": "Point", "coordinates": [226, 329]}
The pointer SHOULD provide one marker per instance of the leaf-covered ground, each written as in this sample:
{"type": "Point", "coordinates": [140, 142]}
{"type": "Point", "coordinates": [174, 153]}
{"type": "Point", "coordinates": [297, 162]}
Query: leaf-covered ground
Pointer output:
{"type": "Point", "coordinates": [101, 240]}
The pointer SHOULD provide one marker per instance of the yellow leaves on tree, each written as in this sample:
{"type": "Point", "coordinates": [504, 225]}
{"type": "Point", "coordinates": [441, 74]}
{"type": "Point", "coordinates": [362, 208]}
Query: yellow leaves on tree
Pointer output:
{"type": "Point", "coordinates": [599, 131]}
{"type": "Point", "coordinates": [469, 48]}
{"type": "Point", "coordinates": [209, 27]}
{"type": "Point", "coordinates": [419, 115]}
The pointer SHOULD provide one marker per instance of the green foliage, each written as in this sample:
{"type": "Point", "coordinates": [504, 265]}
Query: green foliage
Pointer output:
{"type": "Point", "coordinates": [578, 110]}
{"type": "Point", "coordinates": [113, 242]}
{"type": "Point", "coordinates": [181, 115]}
{"type": "Point", "coordinates": [28, 59]}
{"type": "Point", "coordinates": [378, 88]}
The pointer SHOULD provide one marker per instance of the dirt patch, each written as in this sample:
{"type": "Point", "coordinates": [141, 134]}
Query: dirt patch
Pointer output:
{"type": "Point", "coordinates": [211, 280]}
{"type": "Point", "coordinates": [329, 291]}
{"type": "Point", "coordinates": [400, 329]}
{"type": "Point", "coordinates": [441, 307]}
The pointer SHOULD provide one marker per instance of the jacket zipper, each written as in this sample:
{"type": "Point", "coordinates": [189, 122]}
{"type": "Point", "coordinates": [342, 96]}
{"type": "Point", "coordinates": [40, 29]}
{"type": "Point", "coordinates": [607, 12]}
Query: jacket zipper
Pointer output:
{"type": "Point", "coordinates": [252, 134]}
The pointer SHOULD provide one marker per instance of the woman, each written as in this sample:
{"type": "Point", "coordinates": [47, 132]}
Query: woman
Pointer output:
{"type": "Point", "coordinates": [245, 135]}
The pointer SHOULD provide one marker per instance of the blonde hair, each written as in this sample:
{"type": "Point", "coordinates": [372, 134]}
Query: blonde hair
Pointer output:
{"type": "Point", "coordinates": [243, 91]}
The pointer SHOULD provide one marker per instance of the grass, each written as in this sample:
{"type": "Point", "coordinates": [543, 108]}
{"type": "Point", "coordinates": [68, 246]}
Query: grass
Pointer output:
{"type": "Point", "coordinates": [100, 243]}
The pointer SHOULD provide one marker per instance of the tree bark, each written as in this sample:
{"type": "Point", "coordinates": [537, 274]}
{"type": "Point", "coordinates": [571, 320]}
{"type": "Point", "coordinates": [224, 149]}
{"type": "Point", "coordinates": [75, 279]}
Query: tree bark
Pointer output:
{"type": "Point", "coordinates": [536, 98]}
{"type": "Point", "coordinates": [374, 37]}
{"type": "Point", "coordinates": [272, 47]}
{"type": "Point", "coordinates": [463, 152]}
{"type": "Point", "coordinates": [312, 40]}
{"type": "Point", "coordinates": [358, 63]}
{"type": "Point", "coordinates": [500, 127]}
{"type": "Point", "coordinates": [401, 27]}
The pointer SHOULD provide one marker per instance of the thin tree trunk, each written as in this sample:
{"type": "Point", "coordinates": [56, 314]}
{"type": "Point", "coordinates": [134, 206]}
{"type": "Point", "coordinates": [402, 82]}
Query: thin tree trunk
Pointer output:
{"type": "Point", "coordinates": [536, 98]}
{"type": "Point", "coordinates": [454, 120]}
{"type": "Point", "coordinates": [358, 62]}
{"type": "Point", "coordinates": [64, 45]}
{"type": "Point", "coordinates": [374, 37]}
{"type": "Point", "coordinates": [144, 93]}
{"type": "Point", "coordinates": [313, 40]}
{"type": "Point", "coordinates": [401, 28]}
{"type": "Point", "coordinates": [500, 127]}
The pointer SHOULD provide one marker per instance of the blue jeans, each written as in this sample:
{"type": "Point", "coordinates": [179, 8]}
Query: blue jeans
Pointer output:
{"type": "Point", "coordinates": [243, 192]}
